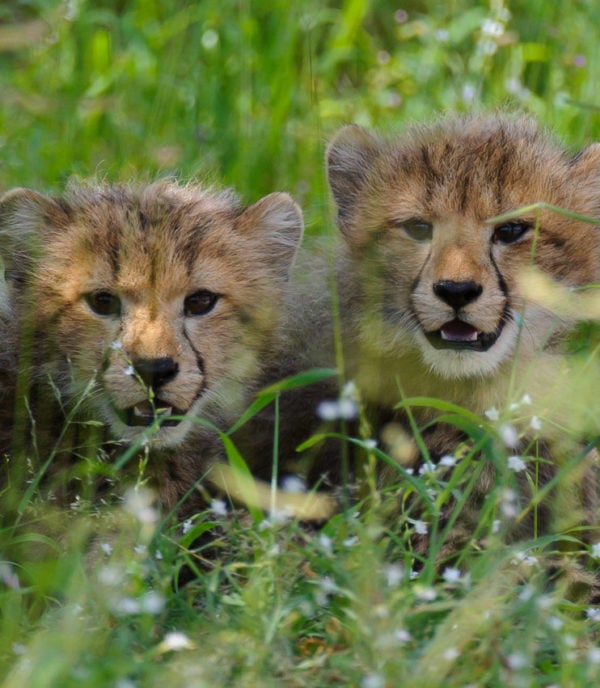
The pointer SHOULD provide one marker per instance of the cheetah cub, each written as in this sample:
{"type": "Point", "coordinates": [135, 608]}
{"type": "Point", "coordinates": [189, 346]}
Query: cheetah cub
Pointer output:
{"type": "Point", "coordinates": [429, 283]}
{"type": "Point", "coordinates": [142, 309]}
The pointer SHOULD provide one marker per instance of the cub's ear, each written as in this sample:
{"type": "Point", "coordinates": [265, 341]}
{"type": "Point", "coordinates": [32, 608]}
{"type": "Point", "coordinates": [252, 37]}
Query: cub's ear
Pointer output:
{"type": "Point", "coordinates": [23, 215]}
{"type": "Point", "coordinates": [585, 180]}
{"type": "Point", "coordinates": [350, 156]}
{"type": "Point", "coordinates": [276, 222]}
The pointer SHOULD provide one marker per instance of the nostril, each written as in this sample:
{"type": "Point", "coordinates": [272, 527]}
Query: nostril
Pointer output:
{"type": "Point", "coordinates": [457, 294]}
{"type": "Point", "coordinates": [156, 372]}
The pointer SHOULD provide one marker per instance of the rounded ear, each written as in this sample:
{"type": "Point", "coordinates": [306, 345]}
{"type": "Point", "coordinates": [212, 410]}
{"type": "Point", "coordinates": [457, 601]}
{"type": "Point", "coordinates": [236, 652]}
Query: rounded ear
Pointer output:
{"type": "Point", "coordinates": [23, 215]}
{"type": "Point", "coordinates": [276, 221]}
{"type": "Point", "coordinates": [585, 178]}
{"type": "Point", "coordinates": [350, 156]}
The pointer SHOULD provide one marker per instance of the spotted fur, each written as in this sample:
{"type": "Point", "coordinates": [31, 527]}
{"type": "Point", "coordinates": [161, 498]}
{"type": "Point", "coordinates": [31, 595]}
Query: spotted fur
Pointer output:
{"type": "Point", "coordinates": [429, 288]}
{"type": "Point", "coordinates": [138, 301]}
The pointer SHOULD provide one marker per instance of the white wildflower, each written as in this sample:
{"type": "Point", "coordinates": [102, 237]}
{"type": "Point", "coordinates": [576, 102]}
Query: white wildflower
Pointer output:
{"type": "Point", "coordinates": [526, 593]}
{"type": "Point", "coordinates": [509, 435]}
{"type": "Point", "coordinates": [106, 547]}
{"type": "Point", "coordinates": [448, 460]}
{"type": "Point", "coordinates": [496, 526]}
{"type": "Point", "coordinates": [328, 585]}
{"type": "Point", "coordinates": [293, 483]}
{"type": "Point", "coordinates": [596, 550]}
{"type": "Point", "coordinates": [124, 683]}
{"type": "Point", "coordinates": [186, 526]}
{"type": "Point", "coordinates": [218, 507]}
{"type": "Point", "coordinates": [394, 574]}
{"type": "Point", "coordinates": [370, 443]}
{"type": "Point", "coordinates": [110, 575]}
{"type": "Point", "coordinates": [152, 603]}
{"type": "Point", "coordinates": [544, 601]}
{"type": "Point", "coordinates": [351, 541]}
{"type": "Point", "coordinates": [526, 399]}
{"type": "Point", "coordinates": [593, 655]}
{"type": "Point", "coordinates": [326, 542]}
{"type": "Point", "coordinates": [421, 527]}
{"type": "Point", "coordinates": [451, 574]}
{"type": "Point", "coordinates": [555, 623]}
{"type": "Point", "coordinates": [524, 558]}
{"type": "Point", "coordinates": [129, 370]}
{"type": "Point", "coordinates": [116, 345]}
{"type": "Point", "coordinates": [158, 555]}
{"type": "Point", "coordinates": [535, 423]}
{"type": "Point", "coordinates": [327, 410]}
{"type": "Point", "coordinates": [468, 93]}
{"type": "Point", "coordinates": [425, 594]}
{"type": "Point", "coordinates": [513, 85]}
{"type": "Point", "coordinates": [593, 613]}
{"type": "Point", "coordinates": [175, 640]}
{"type": "Point", "coordinates": [347, 409]}
{"type": "Point", "coordinates": [372, 681]}
{"type": "Point", "coordinates": [516, 660]}
{"type": "Point", "coordinates": [426, 468]}
{"type": "Point", "coordinates": [450, 654]}
{"type": "Point", "coordinates": [8, 576]}
{"type": "Point", "coordinates": [350, 391]}
{"type": "Point", "coordinates": [127, 605]}
{"type": "Point", "coordinates": [490, 27]}
{"type": "Point", "coordinates": [139, 503]}
{"type": "Point", "coordinates": [140, 550]}
{"type": "Point", "coordinates": [508, 503]}
{"type": "Point", "coordinates": [492, 413]}
{"type": "Point", "coordinates": [402, 635]}
{"type": "Point", "coordinates": [516, 464]}
{"type": "Point", "coordinates": [209, 39]}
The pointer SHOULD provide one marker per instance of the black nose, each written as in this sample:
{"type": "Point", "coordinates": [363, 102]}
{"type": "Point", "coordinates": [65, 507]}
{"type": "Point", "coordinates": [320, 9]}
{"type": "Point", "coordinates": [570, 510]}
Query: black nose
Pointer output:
{"type": "Point", "coordinates": [457, 294]}
{"type": "Point", "coordinates": [156, 372]}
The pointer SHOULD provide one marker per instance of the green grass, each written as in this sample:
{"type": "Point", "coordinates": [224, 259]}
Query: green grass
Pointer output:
{"type": "Point", "coordinates": [245, 93]}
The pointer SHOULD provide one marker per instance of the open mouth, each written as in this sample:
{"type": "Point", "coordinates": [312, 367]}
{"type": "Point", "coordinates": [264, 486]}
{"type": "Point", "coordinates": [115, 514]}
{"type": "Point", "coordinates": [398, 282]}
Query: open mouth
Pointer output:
{"type": "Point", "coordinates": [145, 414]}
{"type": "Point", "coordinates": [457, 334]}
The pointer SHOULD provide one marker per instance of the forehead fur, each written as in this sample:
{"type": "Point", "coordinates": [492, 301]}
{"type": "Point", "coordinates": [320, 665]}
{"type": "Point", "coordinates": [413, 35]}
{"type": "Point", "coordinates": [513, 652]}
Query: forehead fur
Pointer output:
{"type": "Point", "coordinates": [161, 218]}
{"type": "Point", "coordinates": [477, 165]}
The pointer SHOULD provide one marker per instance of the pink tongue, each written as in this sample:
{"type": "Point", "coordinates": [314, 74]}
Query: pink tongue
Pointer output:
{"type": "Point", "coordinates": [458, 331]}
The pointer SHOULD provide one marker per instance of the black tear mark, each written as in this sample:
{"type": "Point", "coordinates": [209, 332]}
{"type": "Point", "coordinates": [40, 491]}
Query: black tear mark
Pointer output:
{"type": "Point", "coordinates": [198, 356]}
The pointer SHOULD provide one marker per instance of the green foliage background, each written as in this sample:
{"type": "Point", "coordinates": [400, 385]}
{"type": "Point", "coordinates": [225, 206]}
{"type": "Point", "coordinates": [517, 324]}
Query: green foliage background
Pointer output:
{"type": "Point", "coordinates": [246, 93]}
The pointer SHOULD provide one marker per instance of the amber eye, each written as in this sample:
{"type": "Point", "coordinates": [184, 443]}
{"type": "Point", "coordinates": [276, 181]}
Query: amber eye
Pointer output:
{"type": "Point", "coordinates": [510, 232]}
{"type": "Point", "coordinates": [104, 303]}
{"type": "Point", "coordinates": [200, 302]}
{"type": "Point", "coordinates": [417, 229]}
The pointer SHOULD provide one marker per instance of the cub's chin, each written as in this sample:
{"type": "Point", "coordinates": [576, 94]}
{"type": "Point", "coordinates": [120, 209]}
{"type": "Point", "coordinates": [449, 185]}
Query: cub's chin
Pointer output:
{"type": "Point", "coordinates": [457, 351]}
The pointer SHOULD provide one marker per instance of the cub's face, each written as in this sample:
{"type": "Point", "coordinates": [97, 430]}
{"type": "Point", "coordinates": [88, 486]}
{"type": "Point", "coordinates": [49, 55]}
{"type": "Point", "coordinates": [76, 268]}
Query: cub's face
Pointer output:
{"type": "Point", "coordinates": [153, 303]}
{"type": "Point", "coordinates": [436, 275]}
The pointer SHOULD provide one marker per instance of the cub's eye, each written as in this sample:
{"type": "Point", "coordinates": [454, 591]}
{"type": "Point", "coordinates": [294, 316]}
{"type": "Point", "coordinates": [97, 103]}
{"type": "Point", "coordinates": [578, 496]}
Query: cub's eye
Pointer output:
{"type": "Point", "coordinates": [417, 229]}
{"type": "Point", "coordinates": [103, 302]}
{"type": "Point", "coordinates": [510, 232]}
{"type": "Point", "coordinates": [200, 302]}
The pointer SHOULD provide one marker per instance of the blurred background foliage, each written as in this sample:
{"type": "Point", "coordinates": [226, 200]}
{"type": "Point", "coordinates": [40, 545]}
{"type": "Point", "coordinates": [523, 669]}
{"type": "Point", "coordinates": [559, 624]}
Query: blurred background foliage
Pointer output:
{"type": "Point", "coordinates": [246, 92]}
